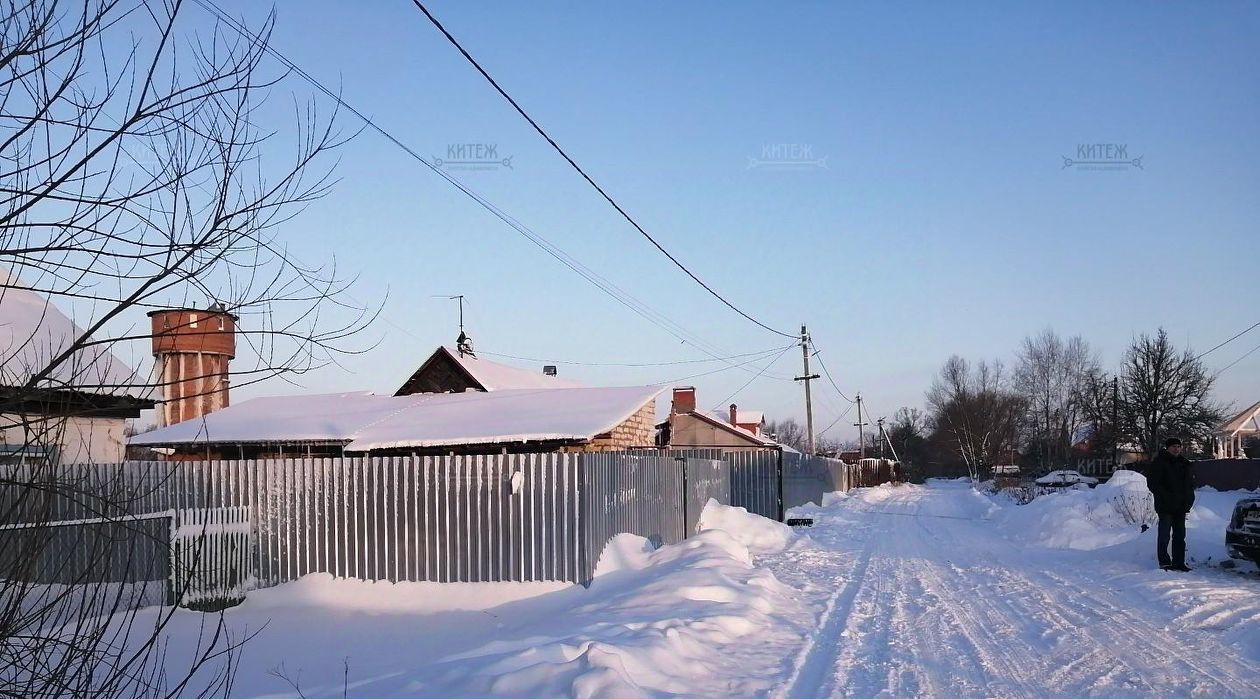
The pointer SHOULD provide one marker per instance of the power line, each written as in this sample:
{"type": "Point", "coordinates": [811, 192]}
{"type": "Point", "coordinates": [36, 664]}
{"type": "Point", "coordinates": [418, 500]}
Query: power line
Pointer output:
{"type": "Point", "coordinates": [833, 422]}
{"type": "Point", "coordinates": [739, 390]}
{"type": "Point", "coordinates": [725, 368]}
{"type": "Point", "coordinates": [612, 290]}
{"type": "Point", "coordinates": [760, 354]}
{"type": "Point", "coordinates": [454, 42]}
{"type": "Point", "coordinates": [818, 356]}
{"type": "Point", "coordinates": [1250, 352]}
{"type": "Point", "coordinates": [1253, 327]}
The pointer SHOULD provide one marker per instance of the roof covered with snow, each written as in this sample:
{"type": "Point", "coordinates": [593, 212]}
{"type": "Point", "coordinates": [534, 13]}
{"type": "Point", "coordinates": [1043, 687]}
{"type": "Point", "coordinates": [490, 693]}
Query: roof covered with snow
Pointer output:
{"type": "Point", "coordinates": [33, 332]}
{"type": "Point", "coordinates": [499, 377]}
{"type": "Point", "coordinates": [480, 374]}
{"type": "Point", "coordinates": [742, 417]}
{"type": "Point", "coordinates": [366, 421]}
{"type": "Point", "coordinates": [1246, 421]}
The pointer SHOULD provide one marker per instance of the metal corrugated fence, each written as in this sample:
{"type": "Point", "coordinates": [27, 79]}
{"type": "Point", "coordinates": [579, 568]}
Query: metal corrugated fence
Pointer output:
{"type": "Point", "coordinates": [457, 518]}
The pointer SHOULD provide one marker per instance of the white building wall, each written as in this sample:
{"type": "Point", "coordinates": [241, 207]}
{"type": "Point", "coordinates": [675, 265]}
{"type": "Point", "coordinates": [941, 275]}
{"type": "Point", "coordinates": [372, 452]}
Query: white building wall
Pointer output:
{"type": "Point", "coordinates": [76, 439]}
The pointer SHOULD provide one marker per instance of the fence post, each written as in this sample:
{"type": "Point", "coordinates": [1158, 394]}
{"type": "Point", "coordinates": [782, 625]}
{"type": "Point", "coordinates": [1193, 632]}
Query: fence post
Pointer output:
{"type": "Point", "coordinates": [779, 476]}
{"type": "Point", "coordinates": [686, 504]}
{"type": "Point", "coordinates": [585, 568]}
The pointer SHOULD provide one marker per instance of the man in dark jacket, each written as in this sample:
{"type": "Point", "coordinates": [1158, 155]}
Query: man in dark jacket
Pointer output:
{"type": "Point", "coordinates": [1169, 479]}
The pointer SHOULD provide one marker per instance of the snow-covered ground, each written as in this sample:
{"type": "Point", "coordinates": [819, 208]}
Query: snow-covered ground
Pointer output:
{"type": "Point", "coordinates": [931, 590]}
{"type": "Point", "coordinates": [939, 590]}
{"type": "Point", "coordinates": [693, 619]}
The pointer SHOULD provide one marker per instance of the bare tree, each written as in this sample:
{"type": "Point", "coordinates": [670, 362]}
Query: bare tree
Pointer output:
{"type": "Point", "coordinates": [908, 434]}
{"type": "Point", "coordinates": [1167, 393]}
{"type": "Point", "coordinates": [975, 415]}
{"type": "Point", "coordinates": [135, 172]}
{"type": "Point", "coordinates": [1052, 375]}
{"type": "Point", "coordinates": [788, 432]}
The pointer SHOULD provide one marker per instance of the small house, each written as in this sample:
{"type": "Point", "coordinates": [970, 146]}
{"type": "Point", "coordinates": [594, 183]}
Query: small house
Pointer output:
{"type": "Point", "coordinates": [688, 427]}
{"type": "Point", "coordinates": [472, 422]}
{"type": "Point", "coordinates": [1231, 437]}
{"type": "Point", "coordinates": [77, 411]}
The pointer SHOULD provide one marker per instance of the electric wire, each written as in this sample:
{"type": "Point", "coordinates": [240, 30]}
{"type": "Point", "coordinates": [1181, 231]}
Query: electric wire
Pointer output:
{"type": "Point", "coordinates": [739, 390]}
{"type": "Point", "coordinates": [759, 355]}
{"type": "Point", "coordinates": [837, 420]}
{"type": "Point", "coordinates": [610, 289]}
{"type": "Point", "coordinates": [1244, 332]}
{"type": "Point", "coordinates": [818, 356]}
{"type": "Point", "coordinates": [1229, 366]}
{"type": "Point", "coordinates": [719, 369]}
{"type": "Point", "coordinates": [494, 83]}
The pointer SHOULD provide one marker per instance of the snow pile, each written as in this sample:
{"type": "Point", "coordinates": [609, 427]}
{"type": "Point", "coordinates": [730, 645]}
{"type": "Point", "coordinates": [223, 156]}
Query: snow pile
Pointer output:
{"type": "Point", "coordinates": [1083, 518]}
{"type": "Point", "coordinates": [1113, 514]}
{"type": "Point", "coordinates": [694, 618]}
{"type": "Point", "coordinates": [761, 536]}
{"type": "Point", "coordinates": [624, 552]}
{"type": "Point", "coordinates": [678, 620]}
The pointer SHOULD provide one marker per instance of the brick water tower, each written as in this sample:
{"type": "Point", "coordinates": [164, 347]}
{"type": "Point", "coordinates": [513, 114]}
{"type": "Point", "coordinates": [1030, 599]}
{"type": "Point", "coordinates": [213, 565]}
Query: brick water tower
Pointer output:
{"type": "Point", "coordinates": [192, 349]}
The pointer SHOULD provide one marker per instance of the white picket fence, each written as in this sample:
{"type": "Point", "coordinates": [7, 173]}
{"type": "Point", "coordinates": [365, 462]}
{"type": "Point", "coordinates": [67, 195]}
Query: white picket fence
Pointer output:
{"type": "Point", "coordinates": [211, 556]}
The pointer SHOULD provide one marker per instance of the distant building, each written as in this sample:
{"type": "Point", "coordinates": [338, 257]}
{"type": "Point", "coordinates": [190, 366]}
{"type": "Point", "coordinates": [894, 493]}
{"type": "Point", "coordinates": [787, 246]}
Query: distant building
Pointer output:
{"type": "Point", "coordinates": [1231, 437]}
{"type": "Point", "coordinates": [78, 412]}
{"type": "Point", "coordinates": [688, 427]}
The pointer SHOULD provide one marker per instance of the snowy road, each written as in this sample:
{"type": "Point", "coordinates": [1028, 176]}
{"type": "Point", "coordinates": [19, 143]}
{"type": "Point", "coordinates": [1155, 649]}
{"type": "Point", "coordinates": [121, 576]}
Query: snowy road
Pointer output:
{"type": "Point", "coordinates": [919, 594]}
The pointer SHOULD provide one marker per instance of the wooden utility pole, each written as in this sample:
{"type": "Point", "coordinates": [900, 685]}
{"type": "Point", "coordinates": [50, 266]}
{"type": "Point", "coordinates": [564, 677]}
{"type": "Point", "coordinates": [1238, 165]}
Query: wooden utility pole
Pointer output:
{"type": "Point", "coordinates": [861, 432]}
{"type": "Point", "coordinates": [809, 403]}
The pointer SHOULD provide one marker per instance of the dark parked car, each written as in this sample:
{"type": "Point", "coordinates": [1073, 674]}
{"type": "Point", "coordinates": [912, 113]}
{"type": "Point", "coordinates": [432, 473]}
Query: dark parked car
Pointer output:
{"type": "Point", "coordinates": [1242, 538]}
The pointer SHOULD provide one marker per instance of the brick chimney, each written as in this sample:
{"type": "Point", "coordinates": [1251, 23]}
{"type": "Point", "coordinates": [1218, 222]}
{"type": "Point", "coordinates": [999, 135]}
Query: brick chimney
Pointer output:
{"type": "Point", "coordinates": [684, 400]}
{"type": "Point", "coordinates": [734, 414]}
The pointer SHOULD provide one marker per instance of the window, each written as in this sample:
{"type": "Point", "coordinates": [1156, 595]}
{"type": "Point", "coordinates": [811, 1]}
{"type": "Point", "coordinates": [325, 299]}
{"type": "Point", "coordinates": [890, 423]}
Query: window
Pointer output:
{"type": "Point", "coordinates": [192, 320]}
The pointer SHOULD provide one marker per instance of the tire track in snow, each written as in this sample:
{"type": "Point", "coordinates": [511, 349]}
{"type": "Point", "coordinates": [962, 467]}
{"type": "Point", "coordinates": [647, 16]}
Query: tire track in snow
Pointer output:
{"type": "Point", "coordinates": [1084, 608]}
{"type": "Point", "coordinates": [816, 659]}
{"type": "Point", "coordinates": [1173, 649]}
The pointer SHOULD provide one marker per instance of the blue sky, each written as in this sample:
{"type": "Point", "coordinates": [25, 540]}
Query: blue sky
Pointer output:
{"type": "Point", "coordinates": [943, 221]}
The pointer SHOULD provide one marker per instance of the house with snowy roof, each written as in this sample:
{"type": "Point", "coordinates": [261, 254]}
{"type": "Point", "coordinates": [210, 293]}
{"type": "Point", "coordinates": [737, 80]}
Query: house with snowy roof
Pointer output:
{"type": "Point", "coordinates": [1232, 436]}
{"type": "Point", "coordinates": [454, 403]}
{"type": "Point", "coordinates": [733, 429]}
{"type": "Point", "coordinates": [530, 420]}
{"type": "Point", "coordinates": [59, 397]}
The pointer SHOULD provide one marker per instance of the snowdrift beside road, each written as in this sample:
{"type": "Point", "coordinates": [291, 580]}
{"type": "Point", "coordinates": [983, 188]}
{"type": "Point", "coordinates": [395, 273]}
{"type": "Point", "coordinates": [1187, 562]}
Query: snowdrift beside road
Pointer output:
{"type": "Point", "coordinates": [695, 618]}
{"type": "Point", "coordinates": [762, 536]}
{"type": "Point", "coordinates": [1112, 515]}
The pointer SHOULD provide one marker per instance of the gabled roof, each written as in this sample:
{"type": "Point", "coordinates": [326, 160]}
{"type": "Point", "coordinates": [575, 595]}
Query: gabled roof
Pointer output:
{"type": "Point", "coordinates": [742, 417]}
{"type": "Point", "coordinates": [486, 375]}
{"type": "Point", "coordinates": [733, 429]}
{"type": "Point", "coordinates": [33, 332]}
{"type": "Point", "coordinates": [366, 421]}
{"type": "Point", "coordinates": [1246, 421]}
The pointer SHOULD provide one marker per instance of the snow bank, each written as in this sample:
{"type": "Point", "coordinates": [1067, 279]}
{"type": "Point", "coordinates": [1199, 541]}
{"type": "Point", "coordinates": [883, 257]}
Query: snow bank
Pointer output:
{"type": "Point", "coordinates": [695, 618]}
{"type": "Point", "coordinates": [624, 552]}
{"type": "Point", "coordinates": [676, 620]}
{"type": "Point", "coordinates": [1113, 514]}
{"type": "Point", "coordinates": [1083, 518]}
{"type": "Point", "coordinates": [761, 536]}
